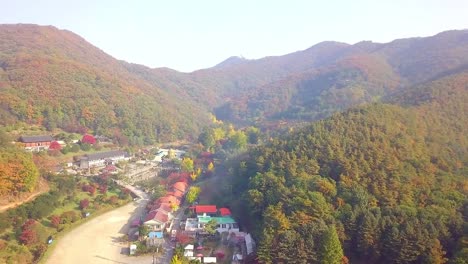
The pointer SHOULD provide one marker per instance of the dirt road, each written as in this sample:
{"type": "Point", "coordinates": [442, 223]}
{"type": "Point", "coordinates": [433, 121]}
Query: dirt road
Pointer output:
{"type": "Point", "coordinates": [43, 187]}
{"type": "Point", "coordinates": [97, 240]}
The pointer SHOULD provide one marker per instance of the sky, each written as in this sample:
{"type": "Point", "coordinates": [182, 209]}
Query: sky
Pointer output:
{"type": "Point", "coordinates": [195, 34]}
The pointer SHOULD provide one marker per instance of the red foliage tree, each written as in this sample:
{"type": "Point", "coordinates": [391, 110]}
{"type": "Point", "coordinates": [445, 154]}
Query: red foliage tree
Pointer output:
{"type": "Point", "coordinates": [182, 238]}
{"type": "Point", "coordinates": [89, 188]}
{"type": "Point", "coordinates": [28, 237]}
{"type": "Point", "coordinates": [84, 203]}
{"type": "Point", "coordinates": [114, 199]}
{"type": "Point", "coordinates": [29, 224]}
{"type": "Point", "coordinates": [55, 220]}
{"type": "Point", "coordinates": [55, 146]}
{"type": "Point", "coordinates": [88, 139]}
{"type": "Point", "coordinates": [103, 188]}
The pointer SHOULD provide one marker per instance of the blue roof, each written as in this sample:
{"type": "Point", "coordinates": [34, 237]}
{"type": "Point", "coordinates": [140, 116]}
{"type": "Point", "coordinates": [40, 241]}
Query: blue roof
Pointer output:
{"type": "Point", "coordinates": [154, 234]}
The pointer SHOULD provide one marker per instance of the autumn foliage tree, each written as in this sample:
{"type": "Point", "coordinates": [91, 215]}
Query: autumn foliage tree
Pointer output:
{"type": "Point", "coordinates": [18, 173]}
{"type": "Point", "coordinates": [55, 221]}
{"type": "Point", "coordinates": [88, 139]}
{"type": "Point", "coordinates": [84, 204]}
{"type": "Point", "coordinates": [28, 235]}
{"type": "Point", "coordinates": [55, 146]}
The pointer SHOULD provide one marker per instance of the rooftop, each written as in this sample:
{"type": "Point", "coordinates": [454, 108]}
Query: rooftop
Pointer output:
{"type": "Point", "coordinates": [219, 220]}
{"type": "Point", "coordinates": [158, 216]}
{"type": "Point", "coordinates": [200, 209]}
{"type": "Point", "coordinates": [32, 139]}
{"type": "Point", "coordinates": [224, 211]}
{"type": "Point", "coordinates": [105, 155]}
{"type": "Point", "coordinates": [181, 186]}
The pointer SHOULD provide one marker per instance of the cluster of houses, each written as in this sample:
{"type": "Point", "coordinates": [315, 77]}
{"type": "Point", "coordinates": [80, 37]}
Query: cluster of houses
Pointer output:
{"type": "Point", "coordinates": [159, 217]}
{"type": "Point", "coordinates": [87, 161]}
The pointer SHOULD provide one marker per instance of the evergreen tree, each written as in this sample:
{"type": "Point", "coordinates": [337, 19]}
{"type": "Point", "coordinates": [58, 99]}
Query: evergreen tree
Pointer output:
{"type": "Point", "coordinates": [331, 252]}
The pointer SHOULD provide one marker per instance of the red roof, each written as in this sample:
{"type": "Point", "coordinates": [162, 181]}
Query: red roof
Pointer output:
{"type": "Point", "coordinates": [200, 209]}
{"type": "Point", "coordinates": [176, 193]}
{"type": "Point", "coordinates": [169, 199]}
{"type": "Point", "coordinates": [181, 186]}
{"type": "Point", "coordinates": [224, 211]}
{"type": "Point", "coordinates": [159, 216]}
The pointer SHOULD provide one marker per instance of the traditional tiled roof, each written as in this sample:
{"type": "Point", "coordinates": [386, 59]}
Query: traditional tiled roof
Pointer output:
{"type": "Point", "coordinates": [224, 211]}
{"type": "Point", "coordinates": [200, 209]}
{"type": "Point", "coordinates": [33, 139]}
{"type": "Point", "coordinates": [105, 155]}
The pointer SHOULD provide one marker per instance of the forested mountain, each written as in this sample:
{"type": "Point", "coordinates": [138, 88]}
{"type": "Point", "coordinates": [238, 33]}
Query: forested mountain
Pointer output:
{"type": "Point", "coordinates": [54, 78]}
{"type": "Point", "coordinates": [316, 82]}
{"type": "Point", "coordinates": [330, 76]}
{"type": "Point", "coordinates": [386, 183]}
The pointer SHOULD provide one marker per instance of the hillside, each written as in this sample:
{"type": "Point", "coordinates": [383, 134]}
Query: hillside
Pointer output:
{"type": "Point", "coordinates": [56, 79]}
{"type": "Point", "coordinates": [385, 182]}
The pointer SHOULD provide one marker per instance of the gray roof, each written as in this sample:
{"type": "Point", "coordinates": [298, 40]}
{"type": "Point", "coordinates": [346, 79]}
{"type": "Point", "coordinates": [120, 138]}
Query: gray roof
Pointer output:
{"type": "Point", "coordinates": [32, 139]}
{"type": "Point", "coordinates": [105, 155]}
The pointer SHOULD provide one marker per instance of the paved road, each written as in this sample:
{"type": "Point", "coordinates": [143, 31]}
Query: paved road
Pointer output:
{"type": "Point", "coordinates": [96, 241]}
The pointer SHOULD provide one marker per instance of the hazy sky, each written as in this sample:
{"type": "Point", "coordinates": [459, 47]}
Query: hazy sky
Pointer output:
{"type": "Point", "coordinates": [194, 34]}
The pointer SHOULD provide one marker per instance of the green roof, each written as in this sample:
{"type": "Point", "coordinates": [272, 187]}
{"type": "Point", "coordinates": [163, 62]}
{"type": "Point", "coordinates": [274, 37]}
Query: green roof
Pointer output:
{"type": "Point", "coordinates": [219, 220]}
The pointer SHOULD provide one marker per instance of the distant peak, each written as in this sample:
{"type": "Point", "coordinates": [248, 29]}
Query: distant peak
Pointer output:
{"type": "Point", "coordinates": [234, 60]}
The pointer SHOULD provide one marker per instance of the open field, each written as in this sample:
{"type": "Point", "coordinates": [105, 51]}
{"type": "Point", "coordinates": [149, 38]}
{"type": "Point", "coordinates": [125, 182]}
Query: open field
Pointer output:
{"type": "Point", "coordinates": [97, 241]}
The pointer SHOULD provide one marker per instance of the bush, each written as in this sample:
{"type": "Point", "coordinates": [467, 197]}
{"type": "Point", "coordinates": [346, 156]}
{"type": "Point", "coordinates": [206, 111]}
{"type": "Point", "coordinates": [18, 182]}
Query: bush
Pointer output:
{"type": "Point", "coordinates": [85, 147]}
{"type": "Point", "coordinates": [75, 148]}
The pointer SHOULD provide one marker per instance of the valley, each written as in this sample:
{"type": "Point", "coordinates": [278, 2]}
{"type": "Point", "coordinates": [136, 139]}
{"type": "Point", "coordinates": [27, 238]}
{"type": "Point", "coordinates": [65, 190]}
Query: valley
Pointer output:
{"type": "Point", "coordinates": [339, 153]}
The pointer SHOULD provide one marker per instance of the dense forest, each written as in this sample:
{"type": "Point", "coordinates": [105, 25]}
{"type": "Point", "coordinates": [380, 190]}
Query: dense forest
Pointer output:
{"type": "Point", "coordinates": [383, 183]}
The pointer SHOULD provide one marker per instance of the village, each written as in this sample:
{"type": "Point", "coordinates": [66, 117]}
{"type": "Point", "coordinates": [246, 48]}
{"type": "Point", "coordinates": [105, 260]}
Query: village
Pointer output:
{"type": "Point", "coordinates": [173, 223]}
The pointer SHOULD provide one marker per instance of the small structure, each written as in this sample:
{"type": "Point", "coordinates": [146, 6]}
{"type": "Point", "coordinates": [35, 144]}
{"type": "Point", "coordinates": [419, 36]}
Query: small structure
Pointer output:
{"type": "Point", "coordinates": [36, 143]}
{"type": "Point", "coordinates": [188, 250]}
{"type": "Point", "coordinates": [133, 249]}
{"type": "Point", "coordinates": [209, 259]}
{"type": "Point", "coordinates": [249, 244]}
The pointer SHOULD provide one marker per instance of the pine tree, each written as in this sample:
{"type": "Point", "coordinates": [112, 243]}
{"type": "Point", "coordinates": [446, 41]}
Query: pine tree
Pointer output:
{"type": "Point", "coordinates": [332, 252]}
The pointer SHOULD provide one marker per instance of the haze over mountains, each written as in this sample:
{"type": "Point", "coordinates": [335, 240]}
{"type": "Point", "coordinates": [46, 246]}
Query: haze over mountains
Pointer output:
{"type": "Point", "coordinates": [55, 78]}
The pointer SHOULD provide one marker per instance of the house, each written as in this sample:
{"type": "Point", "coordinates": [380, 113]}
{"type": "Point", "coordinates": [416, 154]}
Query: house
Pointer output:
{"type": "Point", "coordinates": [225, 223]}
{"type": "Point", "coordinates": [156, 220]}
{"type": "Point", "coordinates": [205, 210]}
{"type": "Point", "coordinates": [102, 158]}
{"type": "Point", "coordinates": [36, 143]}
